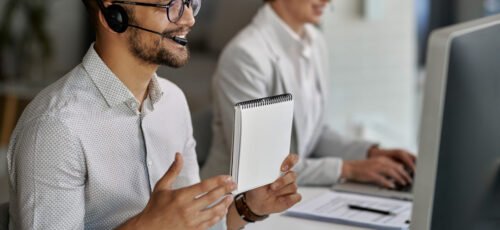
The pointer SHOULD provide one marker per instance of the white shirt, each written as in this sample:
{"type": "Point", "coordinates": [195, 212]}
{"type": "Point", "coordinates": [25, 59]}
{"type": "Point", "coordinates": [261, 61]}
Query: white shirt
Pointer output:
{"type": "Point", "coordinates": [307, 92]}
{"type": "Point", "coordinates": [82, 156]}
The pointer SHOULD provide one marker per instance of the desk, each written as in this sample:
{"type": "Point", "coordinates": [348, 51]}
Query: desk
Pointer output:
{"type": "Point", "coordinates": [282, 222]}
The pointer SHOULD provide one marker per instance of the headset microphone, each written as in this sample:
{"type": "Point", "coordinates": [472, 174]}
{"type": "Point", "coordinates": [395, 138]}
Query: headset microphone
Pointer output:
{"type": "Point", "coordinates": [180, 41]}
{"type": "Point", "coordinates": [176, 39]}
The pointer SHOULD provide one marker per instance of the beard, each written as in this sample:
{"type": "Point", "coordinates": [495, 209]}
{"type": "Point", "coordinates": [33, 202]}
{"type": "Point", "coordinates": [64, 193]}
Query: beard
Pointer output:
{"type": "Point", "coordinates": [155, 53]}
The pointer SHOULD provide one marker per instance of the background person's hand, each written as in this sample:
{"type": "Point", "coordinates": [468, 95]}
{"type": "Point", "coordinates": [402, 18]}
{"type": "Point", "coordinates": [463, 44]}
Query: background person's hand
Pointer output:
{"type": "Point", "coordinates": [279, 195]}
{"type": "Point", "coordinates": [382, 171]}
{"type": "Point", "coordinates": [185, 208]}
{"type": "Point", "coordinates": [398, 155]}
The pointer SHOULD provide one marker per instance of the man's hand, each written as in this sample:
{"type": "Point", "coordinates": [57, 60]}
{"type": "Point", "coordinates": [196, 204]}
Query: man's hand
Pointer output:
{"type": "Point", "coordinates": [383, 167]}
{"type": "Point", "coordinates": [279, 195]}
{"type": "Point", "coordinates": [185, 208]}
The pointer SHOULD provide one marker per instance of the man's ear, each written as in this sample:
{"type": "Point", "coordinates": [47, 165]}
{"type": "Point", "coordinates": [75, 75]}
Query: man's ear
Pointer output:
{"type": "Point", "coordinates": [101, 22]}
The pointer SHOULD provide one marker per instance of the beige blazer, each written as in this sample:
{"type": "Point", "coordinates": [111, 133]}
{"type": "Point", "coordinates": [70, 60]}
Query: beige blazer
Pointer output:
{"type": "Point", "coordinates": [252, 66]}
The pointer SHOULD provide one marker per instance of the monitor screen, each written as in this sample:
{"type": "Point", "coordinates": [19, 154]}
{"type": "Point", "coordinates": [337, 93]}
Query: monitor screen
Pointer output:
{"type": "Point", "coordinates": [458, 173]}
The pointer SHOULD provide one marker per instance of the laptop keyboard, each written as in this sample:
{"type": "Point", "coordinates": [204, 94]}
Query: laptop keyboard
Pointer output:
{"type": "Point", "coordinates": [404, 188]}
{"type": "Point", "coordinates": [408, 187]}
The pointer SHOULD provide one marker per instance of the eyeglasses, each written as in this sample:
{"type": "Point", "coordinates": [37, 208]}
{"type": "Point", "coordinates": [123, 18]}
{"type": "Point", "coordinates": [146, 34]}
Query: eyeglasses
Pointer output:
{"type": "Point", "coordinates": [174, 8]}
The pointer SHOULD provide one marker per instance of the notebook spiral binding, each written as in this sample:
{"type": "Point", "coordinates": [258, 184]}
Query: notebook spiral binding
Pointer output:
{"type": "Point", "coordinates": [265, 101]}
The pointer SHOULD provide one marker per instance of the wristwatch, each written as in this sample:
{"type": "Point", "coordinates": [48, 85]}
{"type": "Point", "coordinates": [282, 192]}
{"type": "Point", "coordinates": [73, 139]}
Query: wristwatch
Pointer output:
{"type": "Point", "coordinates": [244, 211]}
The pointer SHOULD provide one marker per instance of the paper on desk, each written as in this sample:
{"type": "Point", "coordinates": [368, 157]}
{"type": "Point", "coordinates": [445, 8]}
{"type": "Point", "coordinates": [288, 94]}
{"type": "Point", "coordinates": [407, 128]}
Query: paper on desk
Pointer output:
{"type": "Point", "coordinates": [332, 206]}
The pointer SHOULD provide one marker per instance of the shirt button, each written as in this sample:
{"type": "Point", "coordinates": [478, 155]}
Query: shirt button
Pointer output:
{"type": "Point", "coordinates": [150, 163]}
{"type": "Point", "coordinates": [133, 104]}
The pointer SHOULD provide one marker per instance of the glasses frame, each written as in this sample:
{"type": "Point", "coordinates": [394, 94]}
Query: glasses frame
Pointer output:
{"type": "Point", "coordinates": [167, 6]}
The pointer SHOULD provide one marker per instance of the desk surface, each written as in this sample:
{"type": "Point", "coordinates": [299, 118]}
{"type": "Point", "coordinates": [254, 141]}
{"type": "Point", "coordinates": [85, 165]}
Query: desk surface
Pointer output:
{"type": "Point", "coordinates": [280, 221]}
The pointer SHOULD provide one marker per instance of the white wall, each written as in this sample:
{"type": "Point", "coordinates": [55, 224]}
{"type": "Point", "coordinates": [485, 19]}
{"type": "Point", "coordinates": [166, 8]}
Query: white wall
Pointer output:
{"type": "Point", "coordinates": [373, 67]}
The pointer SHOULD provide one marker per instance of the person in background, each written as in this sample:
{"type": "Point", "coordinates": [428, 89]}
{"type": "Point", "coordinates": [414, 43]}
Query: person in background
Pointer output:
{"type": "Point", "coordinates": [281, 51]}
{"type": "Point", "coordinates": [110, 144]}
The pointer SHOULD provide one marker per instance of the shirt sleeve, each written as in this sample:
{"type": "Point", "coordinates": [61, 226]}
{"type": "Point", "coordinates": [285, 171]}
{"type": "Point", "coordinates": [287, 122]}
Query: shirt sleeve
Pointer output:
{"type": "Point", "coordinates": [333, 144]}
{"type": "Point", "coordinates": [318, 171]}
{"type": "Point", "coordinates": [47, 177]}
{"type": "Point", "coordinates": [221, 225]}
{"type": "Point", "coordinates": [324, 167]}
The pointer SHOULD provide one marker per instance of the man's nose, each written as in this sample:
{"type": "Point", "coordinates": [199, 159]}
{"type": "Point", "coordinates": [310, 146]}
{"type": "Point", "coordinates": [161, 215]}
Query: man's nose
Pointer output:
{"type": "Point", "coordinates": [187, 18]}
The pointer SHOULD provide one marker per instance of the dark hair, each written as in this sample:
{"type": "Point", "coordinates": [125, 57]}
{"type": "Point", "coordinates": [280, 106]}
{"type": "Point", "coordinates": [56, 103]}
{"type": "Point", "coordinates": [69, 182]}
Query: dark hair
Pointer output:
{"type": "Point", "coordinates": [92, 10]}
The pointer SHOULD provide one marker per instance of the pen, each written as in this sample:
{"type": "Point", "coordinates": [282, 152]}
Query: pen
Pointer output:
{"type": "Point", "coordinates": [361, 208]}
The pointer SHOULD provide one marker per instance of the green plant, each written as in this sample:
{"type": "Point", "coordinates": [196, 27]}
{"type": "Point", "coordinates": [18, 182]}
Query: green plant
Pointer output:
{"type": "Point", "coordinates": [30, 42]}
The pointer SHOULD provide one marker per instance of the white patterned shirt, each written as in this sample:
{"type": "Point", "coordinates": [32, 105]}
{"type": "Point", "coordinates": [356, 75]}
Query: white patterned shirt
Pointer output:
{"type": "Point", "coordinates": [82, 156]}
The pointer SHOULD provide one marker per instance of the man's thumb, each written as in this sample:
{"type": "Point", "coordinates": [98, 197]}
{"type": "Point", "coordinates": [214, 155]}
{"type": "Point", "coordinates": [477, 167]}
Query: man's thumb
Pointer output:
{"type": "Point", "coordinates": [166, 181]}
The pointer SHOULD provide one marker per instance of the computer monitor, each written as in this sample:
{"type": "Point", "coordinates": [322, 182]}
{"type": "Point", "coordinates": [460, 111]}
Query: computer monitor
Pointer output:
{"type": "Point", "coordinates": [457, 184]}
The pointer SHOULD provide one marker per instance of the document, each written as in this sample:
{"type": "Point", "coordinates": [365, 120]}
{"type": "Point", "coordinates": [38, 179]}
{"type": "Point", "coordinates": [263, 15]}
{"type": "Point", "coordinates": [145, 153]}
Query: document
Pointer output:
{"type": "Point", "coordinates": [358, 210]}
{"type": "Point", "coordinates": [261, 140]}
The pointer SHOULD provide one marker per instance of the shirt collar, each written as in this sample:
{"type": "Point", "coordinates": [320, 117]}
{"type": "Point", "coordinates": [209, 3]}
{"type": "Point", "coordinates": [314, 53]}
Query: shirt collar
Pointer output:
{"type": "Point", "coordinates": [154, 89]}
{"type": "Point", "coordinates": [111, 88]}
{"type": "Point", "coordinates": [287, 36]}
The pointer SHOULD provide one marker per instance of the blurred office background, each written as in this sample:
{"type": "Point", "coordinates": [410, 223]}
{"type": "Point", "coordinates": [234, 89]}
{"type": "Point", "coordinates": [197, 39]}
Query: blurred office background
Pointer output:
{"type": "Point", "coordinates": [377, 52]}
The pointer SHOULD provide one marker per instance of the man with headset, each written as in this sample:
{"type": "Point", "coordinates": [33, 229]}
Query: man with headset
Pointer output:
{"type": "Point", "coordinates": [110, 144]}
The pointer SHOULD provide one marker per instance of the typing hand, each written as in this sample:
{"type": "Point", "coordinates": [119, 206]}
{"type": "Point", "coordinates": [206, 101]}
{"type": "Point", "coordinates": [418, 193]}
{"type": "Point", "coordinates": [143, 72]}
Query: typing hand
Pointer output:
{"type": "Point", "coordinates": [398, 155]}
{"type": "Point", "coordinates": [184, 208]}
{"type": "Point", "coordinates": [279, 195]}
{"type": "Point", "coordinates": [379, 170]}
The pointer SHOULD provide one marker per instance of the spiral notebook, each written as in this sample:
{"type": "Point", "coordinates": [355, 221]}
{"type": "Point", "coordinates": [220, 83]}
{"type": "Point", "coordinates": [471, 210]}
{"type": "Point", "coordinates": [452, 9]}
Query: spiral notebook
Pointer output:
{"type": "Point", "coordinates": [261, 140]}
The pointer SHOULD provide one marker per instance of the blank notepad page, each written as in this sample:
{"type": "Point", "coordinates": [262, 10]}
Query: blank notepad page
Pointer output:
{"type": "Point", "coordinates": [264, 143]}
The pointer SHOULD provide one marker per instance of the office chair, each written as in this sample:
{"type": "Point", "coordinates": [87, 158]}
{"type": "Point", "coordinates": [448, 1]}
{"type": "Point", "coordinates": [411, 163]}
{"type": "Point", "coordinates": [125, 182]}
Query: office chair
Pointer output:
{"type": "Point", "coordinates": [4, 216]}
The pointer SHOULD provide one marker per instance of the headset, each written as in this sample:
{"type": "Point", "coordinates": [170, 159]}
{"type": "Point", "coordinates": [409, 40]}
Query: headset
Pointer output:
{"type": "Point", "coordinates": [117, 19]}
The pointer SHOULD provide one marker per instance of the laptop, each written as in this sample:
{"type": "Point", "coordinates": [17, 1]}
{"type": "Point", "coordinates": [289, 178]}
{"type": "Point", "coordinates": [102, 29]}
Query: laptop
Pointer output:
{"type": "Point", "coordinates": [400, 193]}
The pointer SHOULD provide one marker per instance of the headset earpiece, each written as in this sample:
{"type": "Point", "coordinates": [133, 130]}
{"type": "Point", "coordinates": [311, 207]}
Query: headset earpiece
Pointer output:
{"type": "Point", "coordinates": [117, 18]}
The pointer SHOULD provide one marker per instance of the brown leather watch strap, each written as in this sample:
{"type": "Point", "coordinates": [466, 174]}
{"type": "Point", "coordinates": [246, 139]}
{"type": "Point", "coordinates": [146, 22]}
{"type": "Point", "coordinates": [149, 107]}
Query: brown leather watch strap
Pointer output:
{"type": "Point", "coordinates": [244, 211]}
